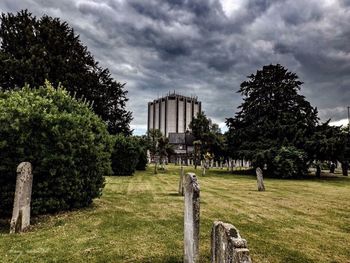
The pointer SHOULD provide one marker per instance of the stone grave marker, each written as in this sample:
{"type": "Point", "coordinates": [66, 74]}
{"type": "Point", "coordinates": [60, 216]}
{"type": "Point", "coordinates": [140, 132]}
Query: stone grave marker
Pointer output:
{"type": "Point", "coordinates": [260, 179]}
{"type": "Point", "coordinates": [227, 246]}
{"type": "Point", "coordinates": [23, 195]}
{"type": "Point", "coordinates": [191, 218]}
{"type": "Point", "coordinates": [181, 181]}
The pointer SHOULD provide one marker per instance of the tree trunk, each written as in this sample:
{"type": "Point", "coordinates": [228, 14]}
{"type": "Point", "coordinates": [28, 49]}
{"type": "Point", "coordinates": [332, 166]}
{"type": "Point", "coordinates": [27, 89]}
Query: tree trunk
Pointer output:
{"type": "Point", "coordinates": [318, 171]}
{"type": "Point", "coordinates": [332, 168]}
{"type": "Point", "coordinates": [345, 167]}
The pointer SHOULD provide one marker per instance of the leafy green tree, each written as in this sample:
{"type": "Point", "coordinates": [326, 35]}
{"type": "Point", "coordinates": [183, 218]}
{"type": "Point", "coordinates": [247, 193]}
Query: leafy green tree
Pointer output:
{"type": "Point", "coordinates": [164, 150]}
{"type": "Point", "coordinates": [209, 135]}
{"type": "Point", "coordinates": [273, 115]}
{"type": "Point", "coordinates": [200, 126]}
{"type": "Point", "coordinates": [142, 146]}
{"type": "Point", "coordinates": [67, 144]}
{"type": "Point", "coordinates": [125, 156]}
{"type": "Point", "coordinates": [328, 143]}
{"type": "Point", "coordinates": [34, 50]}
{"type": "Point", "coordinates": [153, 136]}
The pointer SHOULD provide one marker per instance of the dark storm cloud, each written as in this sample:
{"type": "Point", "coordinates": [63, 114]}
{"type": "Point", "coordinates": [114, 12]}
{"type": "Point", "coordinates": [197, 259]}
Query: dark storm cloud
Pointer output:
{"type": "Point", "coordinates": [208, 47]}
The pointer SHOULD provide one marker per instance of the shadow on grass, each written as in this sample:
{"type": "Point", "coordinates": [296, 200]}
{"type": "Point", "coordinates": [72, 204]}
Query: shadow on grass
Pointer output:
{"type": "Point", "coordinates": [163, 260]}
{"type": "Point", "coordinates": [173, 194]}
{"type": "Point", "coordinates": [4, 226]}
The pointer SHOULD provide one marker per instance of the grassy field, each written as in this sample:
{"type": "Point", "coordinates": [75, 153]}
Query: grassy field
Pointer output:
{"type": "Point", "coordinates": [140, 219]}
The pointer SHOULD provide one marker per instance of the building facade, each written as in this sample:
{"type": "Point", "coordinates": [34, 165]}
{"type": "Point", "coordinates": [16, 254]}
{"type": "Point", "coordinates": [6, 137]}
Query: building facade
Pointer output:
{"type": "Point", "coordinates": [172, 113]}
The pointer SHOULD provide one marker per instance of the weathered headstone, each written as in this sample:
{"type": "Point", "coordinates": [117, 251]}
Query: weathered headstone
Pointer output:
{"type": "Point", "coordinates": [260, 179]}
{"type": "Point", "coordinates": [227, 246]}
{"type": "Point", "coordinates": [181, 181]}
{"type": "Point", "coordinates": [191, 218]}
{"type": "Point", "coordinates": [23, 195]}
{"type": "Point", "coordinates": [203, 171]}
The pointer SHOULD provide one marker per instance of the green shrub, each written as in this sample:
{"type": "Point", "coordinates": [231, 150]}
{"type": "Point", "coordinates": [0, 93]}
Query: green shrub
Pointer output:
{"type": "Point", "coordinates": [67, 144]}
{"type": "Point", "coordinates": [142, 162]}
{"type": "Point", "coordinates": [289, 162]}
{"type": "Point", "coordinates": [125, 155]}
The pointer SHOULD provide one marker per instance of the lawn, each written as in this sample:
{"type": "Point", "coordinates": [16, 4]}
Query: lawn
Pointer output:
{"type": "Point", "coordinates": [140, 219]}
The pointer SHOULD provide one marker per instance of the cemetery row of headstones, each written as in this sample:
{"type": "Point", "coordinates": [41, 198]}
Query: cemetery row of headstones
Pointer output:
{"type": "Point", "coordinates": [230, 163]}
{"type": "Point", "coordinates": [227, 246]}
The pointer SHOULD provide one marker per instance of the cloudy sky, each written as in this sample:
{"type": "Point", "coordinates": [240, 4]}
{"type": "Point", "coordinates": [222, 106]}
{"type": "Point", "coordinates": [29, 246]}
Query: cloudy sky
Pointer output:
{"type": "Point", "coordinates": [208, 47]}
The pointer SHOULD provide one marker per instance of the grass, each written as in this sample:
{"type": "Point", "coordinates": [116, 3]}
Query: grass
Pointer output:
{"type": "Point", "coordinates": [140, 219]}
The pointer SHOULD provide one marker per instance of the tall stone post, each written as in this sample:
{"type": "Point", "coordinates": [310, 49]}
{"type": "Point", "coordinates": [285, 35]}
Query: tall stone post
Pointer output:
{"type": "Point", "coordinates": [227, 246]}
{"type": "Point", "coordinates": [260, 179]}
{"type": "Point", "coordinates": [181, 181]}
{"type": "Point", "coordinates": [191, 219]}
{"type": "Point", "coordinates": [23, 195]}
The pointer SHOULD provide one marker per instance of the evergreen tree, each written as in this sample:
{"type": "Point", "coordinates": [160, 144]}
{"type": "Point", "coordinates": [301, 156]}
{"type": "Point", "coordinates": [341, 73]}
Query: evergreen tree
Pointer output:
{"type": "Point", "coordinates": [34, 50]}
{"type": "Point", "coordinates": [274, 122]}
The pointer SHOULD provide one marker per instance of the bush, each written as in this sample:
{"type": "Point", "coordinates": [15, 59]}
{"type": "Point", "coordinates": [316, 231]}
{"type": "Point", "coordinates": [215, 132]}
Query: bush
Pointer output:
{"type": "Point", "coordinates": [143, 161]}
{"type": "Point", "coordinates": [125, 155]}
{"type": "Point", "coordinates": [289, 162]}
{"type": "Point", "coordinates": [67, 144]}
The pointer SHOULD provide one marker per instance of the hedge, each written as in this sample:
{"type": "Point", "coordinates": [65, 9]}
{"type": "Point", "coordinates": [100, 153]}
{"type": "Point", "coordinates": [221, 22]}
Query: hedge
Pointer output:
{"type": "Point", "coordinates": [67, 144]}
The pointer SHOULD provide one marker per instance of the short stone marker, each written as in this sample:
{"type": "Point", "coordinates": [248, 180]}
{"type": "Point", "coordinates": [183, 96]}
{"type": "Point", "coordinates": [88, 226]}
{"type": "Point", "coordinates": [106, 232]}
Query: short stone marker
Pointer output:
{"type": "Point", "coordinates": [191, 218]}
{"type": "Point", "coordinates": [227, 246]}
{"type": "Point", "coordinates": [260, 179]}
{"type": "Point", "coordinates": [181, 181]}
{"type": "Point", "coordinates": [23, 195]}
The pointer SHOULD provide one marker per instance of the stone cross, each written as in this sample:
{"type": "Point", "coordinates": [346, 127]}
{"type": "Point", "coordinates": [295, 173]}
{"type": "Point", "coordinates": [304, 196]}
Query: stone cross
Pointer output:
{"type": "Point", "coordinates": [191, 219]}
{"type": "Point", "coordinates": [23, 195]}
{"type": "Point", "coordinates": [260, 179]}
{"type": "Point", "coordinates": [181, 181]}
{"type": "Point", "coordinates": [227, 246]}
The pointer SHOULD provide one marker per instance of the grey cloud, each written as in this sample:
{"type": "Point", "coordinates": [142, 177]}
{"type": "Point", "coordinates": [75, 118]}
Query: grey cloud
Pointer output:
{"type": "Point", "coordinates": [193, 47]}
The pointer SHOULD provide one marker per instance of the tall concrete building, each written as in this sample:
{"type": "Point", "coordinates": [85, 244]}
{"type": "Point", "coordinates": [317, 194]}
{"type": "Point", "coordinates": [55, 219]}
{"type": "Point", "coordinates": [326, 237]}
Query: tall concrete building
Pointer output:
{"type": "Point", "coordinates": [172, 113]}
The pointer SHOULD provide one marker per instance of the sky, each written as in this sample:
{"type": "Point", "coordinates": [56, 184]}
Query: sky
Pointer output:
{"type": "Point", "coordinates": [206, 48]}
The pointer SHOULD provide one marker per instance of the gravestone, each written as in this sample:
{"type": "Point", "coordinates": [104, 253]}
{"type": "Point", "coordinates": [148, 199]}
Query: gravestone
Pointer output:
{"type": "Point", "coordinates": [181, 181]}
{"type": "Point", "coordinates": [191, 218]}
{"type": "Point", "coordinates": [23, 195]}
{"type": "Point", "coordinates": [227, 246]}
{"type": "Point", "coordinates": [203, 171]}
{"type": "Point", "coordinates": [260, 179]}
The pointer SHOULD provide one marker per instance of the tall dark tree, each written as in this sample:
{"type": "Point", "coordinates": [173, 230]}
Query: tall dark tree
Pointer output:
{"type": "Point", "coordinates": [209, 135]}
{"type": "Point", "coordinates": [200, 125]}
{"type": "Point", "coordinates": [273, 123]}
{"type": "Point", "coordinates": [33, 50]}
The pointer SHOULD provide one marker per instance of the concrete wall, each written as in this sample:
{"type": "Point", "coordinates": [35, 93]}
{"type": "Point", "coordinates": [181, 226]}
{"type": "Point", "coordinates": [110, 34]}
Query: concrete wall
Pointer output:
{"type": "Point", "coordinates": [150, 116]}
{"type": "Point", "coordinates": [188, 113]}
{"type": "Point", "coordinates": [181, 117]}
{"type": "Point", "coordinates": [162, 119]}
{"type": "Point", "coordinates": [195, 109]}
{"type": "Point", "coordinates": [171, 116]}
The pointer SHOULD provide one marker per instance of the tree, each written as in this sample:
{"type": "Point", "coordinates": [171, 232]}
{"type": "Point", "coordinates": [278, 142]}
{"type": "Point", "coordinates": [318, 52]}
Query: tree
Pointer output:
{"type": "Point", "coordinates": [273, 115]}
{"type": "Point", "coordinates": [163, 150]}
{"type": "Point", "coordinates": [34, 50]}
{"type": "Point", "coordinates": [142, 145]}
{"type": "Point", "coordinates": [125, 155]}
{"type": "Point", "coordinates": [208, 136]}
{"type": "Point", "coordinates": [153, 137]}
{"type": "Point", "coordinates": [200, 125]}
{"type": "Point", "coordinates": [67, 144]}
{"type": "Point", "coordinates": [328, 143]}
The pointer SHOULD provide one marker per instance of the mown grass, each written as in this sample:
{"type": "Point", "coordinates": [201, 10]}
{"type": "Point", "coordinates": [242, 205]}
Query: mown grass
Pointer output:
{"type": "Point", "coordinates": [140, 219]}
